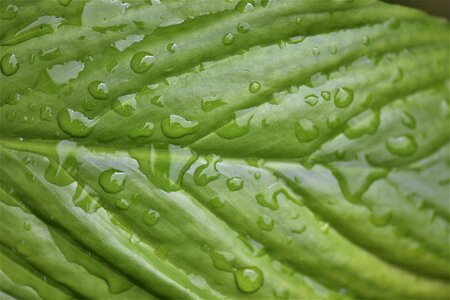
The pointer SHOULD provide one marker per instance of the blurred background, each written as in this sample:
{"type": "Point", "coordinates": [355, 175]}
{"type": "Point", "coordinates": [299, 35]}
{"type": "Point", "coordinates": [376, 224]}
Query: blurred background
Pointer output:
{"type": "Point", "coordinates": [439, 8]}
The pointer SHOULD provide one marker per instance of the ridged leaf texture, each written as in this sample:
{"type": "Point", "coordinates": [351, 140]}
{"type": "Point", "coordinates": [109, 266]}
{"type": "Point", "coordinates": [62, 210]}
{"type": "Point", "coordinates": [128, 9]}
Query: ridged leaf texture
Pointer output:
{"type": "Point", "coordinates": [252, 149]}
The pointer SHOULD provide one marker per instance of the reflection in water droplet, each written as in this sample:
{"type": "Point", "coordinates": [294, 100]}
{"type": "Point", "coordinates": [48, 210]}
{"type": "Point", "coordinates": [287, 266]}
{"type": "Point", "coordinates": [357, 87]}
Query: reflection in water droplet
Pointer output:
{"type": "Point", "coordinates": [125, 105]}
{"type": "Point", "coordinates": [249, 279]}
{"type": "Point", "coordinates": [243, 27]}
{"type": "Point", "coordinates": [228, 39]}
{"type": "Point", "coordinates": [254, 87]}
{"type": "Point", "coordinates": [9, 64]}
{"type": "Point", "coordinates": [143, 130]}
{"type": "Point", "coordinates": [122, 204]}
{"type": "Point", "coordinates": [112, 181]}
{"type": "Point", "coordinates": [142, 61]}
{"type": "Point", "coordinates": [306, 131]}
{"type": "Point", "coordinates": [75, 123]}
{"type": "Point", "coordinates": [151, 217]}
{"type": "Point", "coordinates": [206, 173]}
{"type": "Point", "coordinates": [343, 97]}
{"type": "Point", "coordinates": [235, 183]}
{"type": "Point", "coordinates": [265, 223]}
{"type": "Point", "coordinates": [176, 126]}
{"type": "Point", "coordinates": [98, 90]}
{"type": "Point", "coordinates": [403, 145]}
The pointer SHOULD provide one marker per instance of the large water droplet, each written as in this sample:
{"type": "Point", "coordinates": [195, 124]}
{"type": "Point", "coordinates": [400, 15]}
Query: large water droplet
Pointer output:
{"type": "Point", "coordinates": [343, 97]}
{"type": "Point", "coordinates": [228, 39]}
{"type": "Point", "coordinates": [403, 145]}
{"type": "Point", "coordinates": [75, 123]}
{"type": "Point", "coordinates": [142, 61]}
{"type": "Point", "coordinates": [143, 130]}
{"type": "Point", "coordinates": [265, 223]}
{"type": "Point", "coordinates": [306, 131]}
{"type": "Point", "coordinates": [112, 181]}
{"type": "Point", "coordinates": [176, 126]}
{"type": "Point", "coordinates": [235, 183]}
{"type": "Point", "coordinates": [254, 87]}
{"type": "Point", "coordinates": [125, 105]}
{"type": "Point", "coordinates": [249, 279]}
{"type": "Point", "coordinates": [206, 173]}
{"type": "Point", "coordinates": [9, 64]}
{"type": "Point", "coordinates": [151, 217]}
{"type": "Point", "coordinates": [98, 90]}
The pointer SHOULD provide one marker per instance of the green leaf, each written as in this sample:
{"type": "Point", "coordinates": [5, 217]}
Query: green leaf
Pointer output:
{"type": "Point", "coordinates": [281, 149]}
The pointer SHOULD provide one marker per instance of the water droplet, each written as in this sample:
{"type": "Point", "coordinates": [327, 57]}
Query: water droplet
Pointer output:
{"type": "Point", "coordinates": [249, 279]}
{"type": "Point", "coordinates": [261, 200]}
{"type": "Point", "coordinates": [235, 183]}
{"type": "Point", "coordinates": [228, 39]}
{"type": "Point", "coordinates": [157, 101]}
{"type": "Point", "coordinates": [312, 100]}
{"type": "Point", "coordinates": [243, 27]}
{"type": "Point", "coordinates": [210, 102]}
{"type": "Point", "coordinates": [403, 145]}
{"type": "Point", "coordinates": [408, 120]}
{"type": "Point", "coordinates": [295, 39]}
{"type": "Point", "coordinates": [142, 62]}
{"type": "Point", "coordinates": [49, 53]}
{"type": "Point", "coordinates": [265, 223]}
{"type": "Point", "coordinates": [245, 6]}
{"type": "Point", "coordinates": [221, 260]}
{"type": "Point", "coordinates": [23, 249]}
{"type": "Point", "coordinates": [381, 219]}
{"type": "Point", "coordinates": [122, 204]}
{"type": "Point", "coordinates": [306, 131]}
{"type": "Point", "coordinates": [206, 173]}
{"type": "Point", "coordinates": [143, 130]}
{"type": "Point", "coordinates": [366, 40]}
{"type": "Point", "coordinates": [326, 95]}
{"type": "Point", "coordinates": [98, 90]}
{"type": "Point", "coordinates": [316, 51]}
{"type": "Point", "coordinates": [343, 97]}
{"type": "Point", "coordinates": [151, 217]}
{"type": "Point", "coordinates": [299, 230]}
{"type": "Point", "coordinates": [176, 126]}
{"type": "Point", "coordinates": [64, 2]}
{"type": "Point", "coordinates": [9, 64]}
{"type": "Point", "coordinates": [216, 202]}
{"type": "Point", "coordinates": [264, 3]}
{"type": "Point", "coordinates": [27, 226]}
{"type": "Point", "coordinates": [171, 47]}
{"type": "Point", "coordinates": [125, 105]}
{"type": "Point", "coordinates": [333, 48]}
{"type": "Point", "coordinates": [112, 181]}
{"type": "Point", "coordinates": [134, 239]}
{"type": "Point", "coordinates": [46, 113]}
{"type": "Point", "coordinates": [239, 126]}
{"type": "Point", "coordinates": [366, 123]}
{"type": "Point", "coordinates": [254, 87]}
{"type": "Point", "coordinates": [298, 21]}
{"type": "Point", "coordinates": [9, 13]}
{"type": "Point", "coordinates": [75, 123]}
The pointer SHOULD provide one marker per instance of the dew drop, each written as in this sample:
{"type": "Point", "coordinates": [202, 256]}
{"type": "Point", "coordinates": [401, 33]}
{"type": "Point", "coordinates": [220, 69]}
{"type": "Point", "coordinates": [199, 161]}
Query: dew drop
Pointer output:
{"type": "Point", "coordinates": [171, 47]}
{"type": "Point", "coordinates": [176, 126]}
{"type": "Point", "coordinates": [206, 173]}
{"type": "Point", "coordinates": [23, 249]}
{"type": "Point", "coordinates": [143, 130]}
{"type": "Point", "coordinates": [122, 204]}
{"type": "Point", "coordinates": [75, 123]}
{"type": "Point", "coordinates": [245, 6]}
{"type": "Point", "coordinates": [265, 223]}
{"type": "Point", "coordinates": [112, 181]}
{"type": "Point", "coordinates": [298, 21]}
{"type": "Point", "coordinates": [306, 131]}
{"type": "Point", "coordinates": [333, 121]}
{"type": "Point", "coordinates": [343, 97]}
{"type": "Point", "coordinates": [281, 293]}
{"type": "Point", "coordinates": [46, 113]}
{"type": "Point", "coordinates": [49, 53]}
{"type": "Point", "coordinates": [381, 219]}
{"type": "Point", "coordinates": [64, 2]}
{"type": "Point", "coordinates": [312, 100]}
{"type": "Point", "coordinates": [142, 61]}
{"type": "Point", "coordinates": [98, 90]}
{"type": "Point", "coordinates": [216, 202]}
{"type": "Point", "coordinates": [333, 49]}
{"type": "Point", "coordinates": [125, 105]}
{"type": "Point", "coordinates": [254, 87]}
{"type": "Point", "coordinates": [27, 226]}
{"type": "Point", "coordinates": [366, 40]}
{"type": "Point", "coordinates": [366, 123]}
{"type": "Point", "coordinates": [151, 217]}
{"type": "Point", "coordinates": [228, 39]}
{"type": "Point", "coordinates": [235, 183]}
{"type": "Point", "coordinates": [210, 102]}
{"type": "Point", "coordinates": [295, 39]}
{"type": "Point", "coordinates": [271, 204]}
{"type": "Point", "coordinates": [326, 95]}
{"type": "Point", "coordinates": [316, 51]}
{"type": "Point", "coordinates": [243, 27]}
{"type": "Point", "coordinates": [9, 64]}
{"type": "Point", "coordinates": [403, 145]}
{"type": "Point", "coordinates": [248, 279]}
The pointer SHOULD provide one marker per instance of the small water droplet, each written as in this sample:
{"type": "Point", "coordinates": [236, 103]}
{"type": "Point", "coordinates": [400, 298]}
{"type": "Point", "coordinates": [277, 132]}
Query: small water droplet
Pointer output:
{"type": "Point", "coordinates": [176, 126]}
{"type": "Point", "coordinates": [333, 48]}
{"type": "Point", "coordinates": [9, 64]}
{"type": "Point", "coordinates": [265, 223]}
{"type": "Point", "coordinates": [206, 173]}
{"type": "Point", "coordinates": [298, 21]}
{"type": "Point", "coordinates": [245, 6]}
{"type": "Point", "coordinates": [254, 87]}
{"type": "Point", "coordinates": [326, 95]}
{"type": "Point", "coordinates": [151, 217]}
{"type": "Point", "coordinates": [306, 131]}
{"type": "Point", "coordinates": [143, 130]}
{"type": "Point", "coordinates": [343, 97]}
{"type": "Point", "coordinates": [171, 47]}
{"type": "Point", "coordinates": [75, 123]}
{"type": "Point", "coordinates": [366, 40]}
{"type": "Point", "coordinates": [125, 105]}
{"type": "Point", "coordinates": [64, 2]}
{"type": "Point", "coordinates": [216, 202]}
{"type": "Point", "coordinates": [27, 226]}
{"type": "Point", "coordinates": [312, 99]}
{"type": "Point", "coordinates": [11, 115]}
{"type": "Point", "coordinates": [235, 183]}
{"type": "Point", "coordinates": [295, 39]}
{"type": "Point", "coordinates": [98, 90]}
{"type": "Point", "coordinates": [122, 204]}
{"type": "Point", "coordinates": [249, 279]}
{"type": "Point", "coordinates": [403, 145]}
{"type": "Point", "coordinates": [381, 219]}
{"type": "Point", "coordinates": [211, 102]}
{"type": "Point", "coordinates": [49, 53]}
{"type": "Point", "coordinates": [9, 13]}
{"type": "Point", "coordinates": [366, 123]}
{"type": "Point", "coordinates": [243, 27]}
{"type": "Point", "coordinates": [316, 51]}
{"type": "Point", "coordinates": [134, 239]}
{"type": "Point", "coordinates": [228, 39]}
{"type": "Point", "coordinates": [272, 204]}
{"type": "Point", "coordinates": [142, 61]}
{"type": "Point", "coordinates": [23, 249]}
{"type": "Point", "coordinates": [46, 113]}
{"type": "Point", "coordinates": [112, 181]}
{"type": "Point", "coordinates": [408, 120]}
